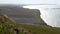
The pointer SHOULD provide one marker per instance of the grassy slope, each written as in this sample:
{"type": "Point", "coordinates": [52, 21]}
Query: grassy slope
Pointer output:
{"type": "Point", "coordinates": [7, 26]}
{"type": "Point", "coordinates": [38, 18]}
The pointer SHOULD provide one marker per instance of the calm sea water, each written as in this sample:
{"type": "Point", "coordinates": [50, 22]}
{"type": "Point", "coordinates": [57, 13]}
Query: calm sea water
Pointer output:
{"type": "Point", "coordinates": [49, 13]}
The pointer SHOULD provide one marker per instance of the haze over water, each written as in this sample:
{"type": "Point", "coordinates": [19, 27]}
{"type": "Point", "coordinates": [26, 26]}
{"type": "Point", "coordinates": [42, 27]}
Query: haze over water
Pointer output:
{"type": "Point", "coordinates": [49, 13]}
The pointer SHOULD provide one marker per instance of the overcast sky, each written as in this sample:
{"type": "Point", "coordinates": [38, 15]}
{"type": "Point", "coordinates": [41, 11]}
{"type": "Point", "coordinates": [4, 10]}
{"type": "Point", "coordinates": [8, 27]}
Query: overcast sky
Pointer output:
{"type": "Point", "coordinates": [27, 2]}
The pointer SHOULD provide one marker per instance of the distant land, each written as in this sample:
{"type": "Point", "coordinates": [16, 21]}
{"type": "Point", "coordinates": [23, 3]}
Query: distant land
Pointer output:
{"type": "Point", "coordinates": [22, 15]}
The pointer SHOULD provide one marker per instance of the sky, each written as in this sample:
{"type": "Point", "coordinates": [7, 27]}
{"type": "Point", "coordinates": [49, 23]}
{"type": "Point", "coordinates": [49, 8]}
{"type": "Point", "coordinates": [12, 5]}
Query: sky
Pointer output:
{"type": "Point", "coordinates": [27, 1]}
{"type": "Point", "coordinates": [49, 15]}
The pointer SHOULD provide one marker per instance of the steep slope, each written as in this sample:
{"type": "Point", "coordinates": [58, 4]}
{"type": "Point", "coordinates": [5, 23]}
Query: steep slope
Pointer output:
{"type": "Point", "coordinates": [9, 27]}
{"type": "Point", "coordinates": [4, 28]}
{"type": "Point", "coordinates": [22, 15]}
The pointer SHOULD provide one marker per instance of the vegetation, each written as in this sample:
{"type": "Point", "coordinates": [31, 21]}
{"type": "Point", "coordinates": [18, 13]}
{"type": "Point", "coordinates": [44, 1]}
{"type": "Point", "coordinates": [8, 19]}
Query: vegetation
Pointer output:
{"type": "Point", "coordinates": [38, 18]}
{"type": "Point", "coordinates": [9, 27]}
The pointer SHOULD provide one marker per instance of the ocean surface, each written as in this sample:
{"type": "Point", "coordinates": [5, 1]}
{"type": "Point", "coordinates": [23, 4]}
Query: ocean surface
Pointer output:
{"type": "Point", "coordinates": [49, 13]}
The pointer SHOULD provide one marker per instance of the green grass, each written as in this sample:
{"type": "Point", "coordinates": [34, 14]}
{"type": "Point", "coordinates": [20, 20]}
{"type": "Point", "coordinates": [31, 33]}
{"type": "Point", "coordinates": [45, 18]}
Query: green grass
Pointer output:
{"type": "Point", "coordinates": [38, 18]}
{"type": "Point", "coordinates": [7, 27]}
{"type": "Point", "coordinates": [41, 29]}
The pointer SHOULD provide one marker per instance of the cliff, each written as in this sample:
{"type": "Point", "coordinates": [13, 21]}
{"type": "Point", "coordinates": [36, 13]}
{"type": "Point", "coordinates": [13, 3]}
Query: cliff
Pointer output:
{"type": "Point", "coordinates": [7, 26]}
{"type": "Point", "coordinates": [22, 15]}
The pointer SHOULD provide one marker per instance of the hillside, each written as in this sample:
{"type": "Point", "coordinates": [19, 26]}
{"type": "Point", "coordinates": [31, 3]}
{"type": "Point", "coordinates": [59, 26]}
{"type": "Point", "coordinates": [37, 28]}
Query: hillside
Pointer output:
{"type": "Point", "coordinates": [7, 26]}
{"type": "Point", "coordinates": [22, 15]}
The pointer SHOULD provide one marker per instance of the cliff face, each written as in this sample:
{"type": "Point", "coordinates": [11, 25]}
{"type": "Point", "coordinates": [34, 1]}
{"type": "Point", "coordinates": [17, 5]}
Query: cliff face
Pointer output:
{"type": "Point", "coordinates": [21, 15]}
{"type": "Point", "coordinates": [9, 27]}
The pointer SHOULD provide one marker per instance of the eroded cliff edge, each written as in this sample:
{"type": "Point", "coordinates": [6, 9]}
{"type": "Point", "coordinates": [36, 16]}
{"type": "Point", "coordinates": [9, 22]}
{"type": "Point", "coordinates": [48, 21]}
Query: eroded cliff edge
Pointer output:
{"type": "Point", "coordinates": [22, 15]}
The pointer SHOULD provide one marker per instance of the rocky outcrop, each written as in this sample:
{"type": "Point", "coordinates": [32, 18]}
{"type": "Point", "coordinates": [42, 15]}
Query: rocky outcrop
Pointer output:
{"type": "Point", "coordinates": [22, 15]}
